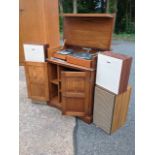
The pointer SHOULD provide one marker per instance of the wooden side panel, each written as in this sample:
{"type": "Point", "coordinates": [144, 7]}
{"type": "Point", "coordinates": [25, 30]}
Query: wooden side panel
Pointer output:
{"type": "Point", "coordinates": [52, 23]}
{"type": "Point", "coordinates": [21, 50]}
{"type": "Point", "coordinates": [125, 73]}
{"type": "Point", "coordinates": [120, 109]}
{"type": "Point", "coordinates": [33, 26]}
{"type": "Point", "coordinates": [39, 23]}
{"type": "Point", "coordinates": [37, 80]}
{"type": "Point", "coordinates": [75, 90]}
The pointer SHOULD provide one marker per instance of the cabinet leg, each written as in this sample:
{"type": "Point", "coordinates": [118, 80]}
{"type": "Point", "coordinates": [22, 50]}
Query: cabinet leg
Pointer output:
{"type": "Point", "coordinates": [87, 119]}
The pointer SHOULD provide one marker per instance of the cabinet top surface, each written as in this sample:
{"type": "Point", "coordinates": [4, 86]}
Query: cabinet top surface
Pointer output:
{"type": "Point", "coordinates": [64, 63]}
{"type": "Point", "coordinates": [116, 55]}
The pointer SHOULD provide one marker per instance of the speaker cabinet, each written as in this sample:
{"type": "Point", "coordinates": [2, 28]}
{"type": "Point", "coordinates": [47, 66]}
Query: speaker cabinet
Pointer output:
{"type": "Point", "coordinates": [110, 110]}
{"type": "Point", "coordinates": [113, 71]}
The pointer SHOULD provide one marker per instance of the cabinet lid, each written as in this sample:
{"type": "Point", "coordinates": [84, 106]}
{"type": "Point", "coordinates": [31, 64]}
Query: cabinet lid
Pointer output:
{"type": "Point", "coordinates": [89, 30]}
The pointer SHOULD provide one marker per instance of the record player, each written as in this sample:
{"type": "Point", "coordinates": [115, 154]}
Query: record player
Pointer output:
{"type": "Point", "coordinates": [84, 36]}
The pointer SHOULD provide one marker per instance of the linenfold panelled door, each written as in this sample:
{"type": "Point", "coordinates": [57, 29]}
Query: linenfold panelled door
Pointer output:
{"type": "Point", "coordinates": [37, 80]}
{"type": "Point", "coordinates": [75, 87]}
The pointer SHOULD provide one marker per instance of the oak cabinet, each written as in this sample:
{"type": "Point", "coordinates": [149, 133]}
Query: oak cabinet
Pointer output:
{"type": "Point", "coordinates": [110, 110]}
{"type": "Point", "coordinates": [63, 85]}
{"type": "Point", "coordinates": [39, 24]}
{"type": "Point", "coordinates": [71, 89]}
{"type": "Point", "coordinates": [68, 86]}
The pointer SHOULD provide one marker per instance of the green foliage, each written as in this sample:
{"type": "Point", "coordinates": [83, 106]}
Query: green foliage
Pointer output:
{"type": "Point", "coordinates": [125, 16]}
{"type": "Point", "coordinates": [90, 6]}
{"type": "Point", "coordinates": [112, 6]}
{"type": "Point", "coordinates": [125, 10]}
{"type": "Point", "coordinates": [124, 36]}
{"type": "Point", "coordinates": [67, 6]}
{"type": "Point", "coordinates": [60, 23]}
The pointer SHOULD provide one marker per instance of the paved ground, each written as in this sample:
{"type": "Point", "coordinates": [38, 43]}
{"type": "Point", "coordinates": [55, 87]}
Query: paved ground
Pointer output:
{"type": "Point", "coordinates": [89, 140]}
{"type": "Point", "coordinates": [43, 130]}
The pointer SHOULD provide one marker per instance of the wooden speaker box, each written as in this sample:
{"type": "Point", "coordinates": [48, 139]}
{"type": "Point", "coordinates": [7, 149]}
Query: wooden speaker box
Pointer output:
{"type": "Point", "coordinates": [110, 110]}
{"type": "Point", "coordinates": [113, 71]}
{"type": "Point", "coordinates": [92, 31]}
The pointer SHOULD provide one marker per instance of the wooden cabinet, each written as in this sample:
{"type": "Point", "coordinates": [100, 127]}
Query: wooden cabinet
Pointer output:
{"type": "Point", "coordinates": [110, 110]}
{"type": "Point", "coordinates": [37, 80]}
{"type": "Point", "coordinates": [67, 86]}
{"type": "Point", "coordinates": [71, 89]}
{"type": "Point", "coordinates": [39, 24]}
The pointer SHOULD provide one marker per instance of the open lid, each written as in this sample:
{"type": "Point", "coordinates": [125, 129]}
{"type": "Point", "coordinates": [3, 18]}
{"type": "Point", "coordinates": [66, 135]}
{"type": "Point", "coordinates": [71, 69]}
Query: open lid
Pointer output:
{"type": "Point", "coordinates": [89, 30]}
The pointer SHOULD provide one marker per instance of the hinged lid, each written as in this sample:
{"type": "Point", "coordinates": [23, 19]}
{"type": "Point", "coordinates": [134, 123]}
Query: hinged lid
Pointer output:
{"type": "Point", "coordinates": [89, 30]}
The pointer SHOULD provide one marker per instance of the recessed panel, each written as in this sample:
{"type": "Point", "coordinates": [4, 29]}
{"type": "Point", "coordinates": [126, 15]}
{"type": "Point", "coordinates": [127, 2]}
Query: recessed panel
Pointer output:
{"type": "Point", "coordinates": [74, 104]}
{"type": "Point", "coordinates": [37, 90]}
{"type": "Point", "coordinates": [36, 74]}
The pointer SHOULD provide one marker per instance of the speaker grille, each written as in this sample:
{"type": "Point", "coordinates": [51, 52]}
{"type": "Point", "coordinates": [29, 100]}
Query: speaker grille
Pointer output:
{"type": "Point", "coordinates": [103, 109]}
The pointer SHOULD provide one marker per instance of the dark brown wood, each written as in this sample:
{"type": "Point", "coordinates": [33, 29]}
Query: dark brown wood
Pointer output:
{"type": "Point", "coordinates": [89, 30]}
{"type": "Point", "coordinates": [117, 55]}
{"type": "Point", "coordinates": [125, 73]}
{"type": "Point", "coordinates": [39, 23]}
{"type": "Point", "coordinates": [37, 80]}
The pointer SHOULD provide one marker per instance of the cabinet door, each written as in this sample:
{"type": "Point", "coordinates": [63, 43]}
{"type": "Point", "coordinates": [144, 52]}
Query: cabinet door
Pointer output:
{"type": "Point", "coordinates": [37, 80]}
{"type": "Point", "coordinates": [75, 92]}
